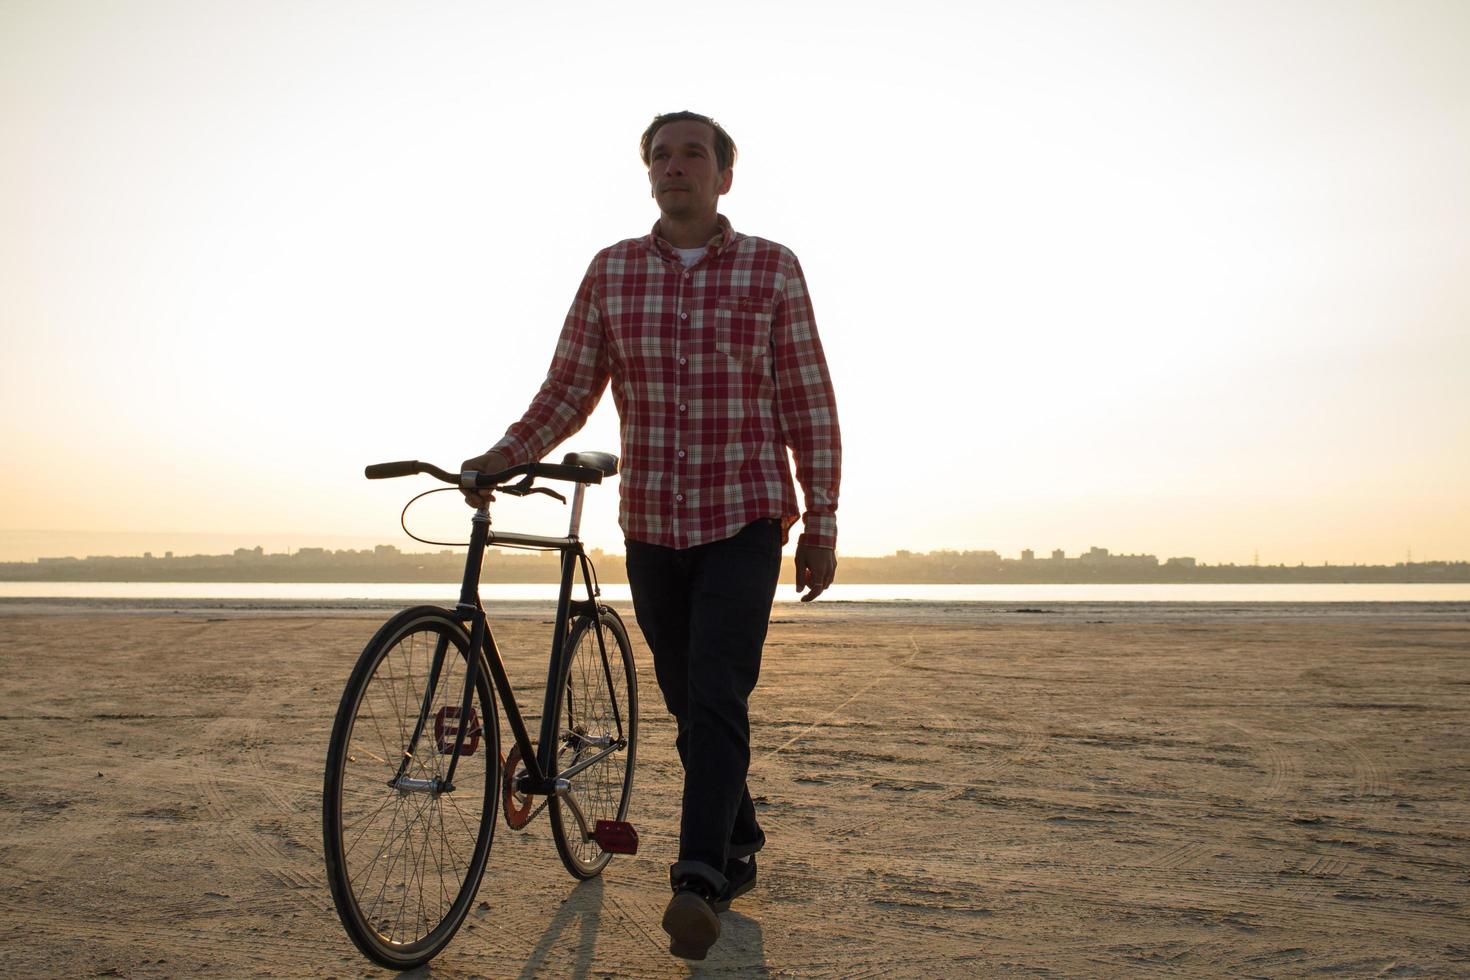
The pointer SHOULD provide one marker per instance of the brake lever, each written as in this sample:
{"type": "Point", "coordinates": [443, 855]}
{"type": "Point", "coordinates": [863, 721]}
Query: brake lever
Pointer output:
{"type": "Point", "coordinates": [517, 489]}
{"type": "Point", "coordinates": [524, 489]}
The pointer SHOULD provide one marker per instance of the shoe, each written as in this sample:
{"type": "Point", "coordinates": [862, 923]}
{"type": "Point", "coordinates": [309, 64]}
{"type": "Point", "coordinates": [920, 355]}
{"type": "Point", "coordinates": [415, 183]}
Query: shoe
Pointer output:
{"type": "Point", "coordinates": [739, 879]}
{"type": "Point", "coordinates": [690, 920]}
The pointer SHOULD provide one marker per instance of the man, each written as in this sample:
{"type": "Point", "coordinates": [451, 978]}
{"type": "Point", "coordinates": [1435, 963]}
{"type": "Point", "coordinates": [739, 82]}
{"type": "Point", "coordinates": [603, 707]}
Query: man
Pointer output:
{"type": "Point", "coordinates": [708, 339]}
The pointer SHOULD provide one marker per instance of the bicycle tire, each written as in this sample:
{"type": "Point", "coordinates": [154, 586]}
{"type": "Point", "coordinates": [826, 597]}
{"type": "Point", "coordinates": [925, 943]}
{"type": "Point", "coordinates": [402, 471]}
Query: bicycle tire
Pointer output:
{"type": "Point", "coordinates": [404, 866]}
{"type": "Point", "coordinates": [602, 791]}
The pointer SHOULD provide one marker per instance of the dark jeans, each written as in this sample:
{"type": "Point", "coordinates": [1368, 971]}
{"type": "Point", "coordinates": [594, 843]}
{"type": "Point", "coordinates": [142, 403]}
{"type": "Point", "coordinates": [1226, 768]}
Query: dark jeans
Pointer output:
{"type": "Point", "coordinates": [704, 612]}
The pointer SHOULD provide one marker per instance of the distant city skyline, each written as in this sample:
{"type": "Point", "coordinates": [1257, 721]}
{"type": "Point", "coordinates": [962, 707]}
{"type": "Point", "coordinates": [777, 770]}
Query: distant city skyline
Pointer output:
{"type": "Point", "coordinates": [22, 546]}
{"type": "Point", "coordinates": [388, 563]}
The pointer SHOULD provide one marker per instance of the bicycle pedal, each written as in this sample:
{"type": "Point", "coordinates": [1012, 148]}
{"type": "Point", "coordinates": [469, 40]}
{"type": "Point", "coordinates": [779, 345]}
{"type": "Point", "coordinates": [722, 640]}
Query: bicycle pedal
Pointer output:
{"type": "Point", "coordinates": [616, 836]}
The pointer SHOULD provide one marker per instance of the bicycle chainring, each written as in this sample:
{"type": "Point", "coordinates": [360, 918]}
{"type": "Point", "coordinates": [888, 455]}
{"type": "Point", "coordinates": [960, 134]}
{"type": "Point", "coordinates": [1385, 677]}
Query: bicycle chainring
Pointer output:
{"type": "Point", "coordinates": [519, 808]}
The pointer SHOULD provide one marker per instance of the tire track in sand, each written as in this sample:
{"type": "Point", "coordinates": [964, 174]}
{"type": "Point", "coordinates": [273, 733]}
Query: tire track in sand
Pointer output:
{"type": "Point", "coordinates": [1282, 771]}
{"type": "Point", "coordinates": [879, 678]}
{"type": "Point", "coordinates": [271, 851]}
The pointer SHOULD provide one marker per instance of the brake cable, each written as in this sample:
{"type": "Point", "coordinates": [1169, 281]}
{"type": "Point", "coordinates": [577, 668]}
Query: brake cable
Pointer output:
{"type": "Point", "coordinates": [403, 520]}
{"type": "Point", "coordinates": [522, 489]}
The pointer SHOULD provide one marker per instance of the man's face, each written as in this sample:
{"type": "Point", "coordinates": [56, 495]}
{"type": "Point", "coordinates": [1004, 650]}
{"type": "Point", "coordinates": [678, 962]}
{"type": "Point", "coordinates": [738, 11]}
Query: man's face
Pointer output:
{"type": "Point", "coordinates": [682, 173]}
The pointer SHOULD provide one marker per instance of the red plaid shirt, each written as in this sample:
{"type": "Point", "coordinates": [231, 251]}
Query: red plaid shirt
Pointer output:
{"type": "Point", "coordinates": [715, 371]}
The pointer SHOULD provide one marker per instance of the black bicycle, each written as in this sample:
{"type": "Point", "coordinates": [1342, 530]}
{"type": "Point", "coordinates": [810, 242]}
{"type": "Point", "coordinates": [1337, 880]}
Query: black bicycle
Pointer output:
{"type": "Point", "coordinates": [414, 768]}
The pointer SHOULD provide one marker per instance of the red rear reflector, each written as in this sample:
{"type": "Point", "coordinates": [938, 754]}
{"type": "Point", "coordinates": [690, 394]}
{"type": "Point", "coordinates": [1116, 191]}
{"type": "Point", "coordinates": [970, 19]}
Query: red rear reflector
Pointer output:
{"type": "Point", "coordinates": [616, 837]}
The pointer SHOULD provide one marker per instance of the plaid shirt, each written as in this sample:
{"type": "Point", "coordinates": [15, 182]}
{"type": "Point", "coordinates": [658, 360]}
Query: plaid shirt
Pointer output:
{"type": "Point", "coordinates": [716, 370]}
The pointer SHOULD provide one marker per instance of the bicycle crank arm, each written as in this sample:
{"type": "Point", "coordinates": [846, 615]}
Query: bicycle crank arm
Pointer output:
{"type": "Point", "coordinates": [613, 836]}
{"type": "Point", "coordinates": [565, 794]}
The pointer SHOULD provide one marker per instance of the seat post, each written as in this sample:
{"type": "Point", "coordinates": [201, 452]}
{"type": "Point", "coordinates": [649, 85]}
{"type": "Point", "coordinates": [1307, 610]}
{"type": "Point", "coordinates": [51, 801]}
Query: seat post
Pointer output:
{"type": "Point", "coordinates": [576, 524]}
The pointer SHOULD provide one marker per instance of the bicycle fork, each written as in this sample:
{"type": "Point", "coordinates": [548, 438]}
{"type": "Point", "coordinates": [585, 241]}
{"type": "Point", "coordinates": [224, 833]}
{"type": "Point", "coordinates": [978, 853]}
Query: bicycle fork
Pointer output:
{"type": "Point", "coordinates": [463, 720]}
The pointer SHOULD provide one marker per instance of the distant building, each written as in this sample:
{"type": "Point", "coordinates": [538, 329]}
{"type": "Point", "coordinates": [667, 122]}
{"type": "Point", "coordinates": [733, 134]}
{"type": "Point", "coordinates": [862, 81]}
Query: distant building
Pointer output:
{"type": "Point", "coordinates": [255, 552]}
{"type": "Point", "coordinates": [1103, 558]}
{"type": "Point", "coordinates": [385, 551]}
{"type": "Point", "coordinates": [1180, 563]}
{"type": "Point", "coordinates": [1058, 555]}
{"type": "Point", "coordinates": [1028, 555]}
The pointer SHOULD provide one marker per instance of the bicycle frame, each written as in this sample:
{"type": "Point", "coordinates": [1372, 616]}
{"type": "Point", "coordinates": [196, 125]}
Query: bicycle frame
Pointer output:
{"type": "Point", "coordinates": [541, 777]}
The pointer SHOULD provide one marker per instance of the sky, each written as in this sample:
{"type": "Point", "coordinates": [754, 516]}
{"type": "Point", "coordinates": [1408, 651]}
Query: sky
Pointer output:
{"type": "Point", "coordinates": [1180, 279]}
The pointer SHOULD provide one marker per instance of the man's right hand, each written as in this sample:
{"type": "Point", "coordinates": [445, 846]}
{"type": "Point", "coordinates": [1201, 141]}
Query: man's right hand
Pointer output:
{"type": "Point", "coordinates": [491, 462]}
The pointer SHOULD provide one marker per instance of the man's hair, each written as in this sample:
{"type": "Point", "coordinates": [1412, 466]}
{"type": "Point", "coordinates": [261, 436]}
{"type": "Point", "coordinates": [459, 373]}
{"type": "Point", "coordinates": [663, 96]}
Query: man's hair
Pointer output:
{"type": "Point", "coordinates": [725, 152]}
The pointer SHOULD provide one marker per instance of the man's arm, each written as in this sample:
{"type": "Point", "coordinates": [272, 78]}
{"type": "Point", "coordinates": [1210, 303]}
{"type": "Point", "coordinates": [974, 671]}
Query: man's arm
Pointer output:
{"type": "Point", "coordinates": [807, 411]}
{"type": "Point", "coordinates": [574, 384]}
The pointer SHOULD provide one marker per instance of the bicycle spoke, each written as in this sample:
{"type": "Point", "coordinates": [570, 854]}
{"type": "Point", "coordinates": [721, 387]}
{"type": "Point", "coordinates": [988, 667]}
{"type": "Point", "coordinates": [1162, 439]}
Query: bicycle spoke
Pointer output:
{"type": "Point", "coordinates": [393, 837]}
{"type": "Point", "coordinates": [347, 851]}
{"type": "Point", "coordinates": [389, 748]}
{"type": "Point", "coordinates": [465, 819]}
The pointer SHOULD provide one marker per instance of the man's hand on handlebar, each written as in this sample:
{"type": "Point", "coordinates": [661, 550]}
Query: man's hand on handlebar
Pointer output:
{"type": "Point", "coordinates": [490, 462]}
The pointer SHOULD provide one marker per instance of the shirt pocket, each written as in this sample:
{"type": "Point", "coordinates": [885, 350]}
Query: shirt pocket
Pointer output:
{"type": "Point", "coordinates": [743, 327]}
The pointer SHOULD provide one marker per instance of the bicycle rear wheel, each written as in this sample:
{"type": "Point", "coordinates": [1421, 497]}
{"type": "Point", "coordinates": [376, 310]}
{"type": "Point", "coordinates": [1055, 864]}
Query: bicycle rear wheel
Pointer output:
{"type": "Point", "coordinates": [598, 719]}
{"type": "Point", "coordinates": [404, 857]}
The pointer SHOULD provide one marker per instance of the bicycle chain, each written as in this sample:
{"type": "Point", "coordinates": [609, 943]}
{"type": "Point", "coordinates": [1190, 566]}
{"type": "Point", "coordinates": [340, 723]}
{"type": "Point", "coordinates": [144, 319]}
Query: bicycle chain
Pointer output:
{"type": "Point", "coordinates": [536, 812]}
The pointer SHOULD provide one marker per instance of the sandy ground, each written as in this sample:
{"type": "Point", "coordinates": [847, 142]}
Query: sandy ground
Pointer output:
{"type": "Point", "coordinates": [946, 793]}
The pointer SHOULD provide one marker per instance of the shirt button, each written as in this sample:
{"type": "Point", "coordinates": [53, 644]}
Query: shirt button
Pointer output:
{"type": "Point", "coordinates": [681, 454]}
{"type": "Point", "coordinates": [683, 360]}
{"type": "Point", "coordinates": [683, 408]}
{"type": "Point", "coordinates": [679, 497]}
{"type": "Point", "coordinates": [683, 316]}
{"type": "Point", "coordinates": [686, 275]}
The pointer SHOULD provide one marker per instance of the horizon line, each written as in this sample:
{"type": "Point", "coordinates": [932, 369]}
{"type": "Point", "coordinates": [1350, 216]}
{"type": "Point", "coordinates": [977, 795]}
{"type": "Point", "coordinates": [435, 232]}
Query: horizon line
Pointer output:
{"type": "Point", "coordinates": [1107, 554]}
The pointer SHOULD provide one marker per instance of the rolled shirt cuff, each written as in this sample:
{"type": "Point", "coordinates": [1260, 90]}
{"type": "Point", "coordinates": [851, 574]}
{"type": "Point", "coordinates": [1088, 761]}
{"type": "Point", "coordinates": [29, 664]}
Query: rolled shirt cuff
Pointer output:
{"type": "Point", "coordinates": [818, 530]}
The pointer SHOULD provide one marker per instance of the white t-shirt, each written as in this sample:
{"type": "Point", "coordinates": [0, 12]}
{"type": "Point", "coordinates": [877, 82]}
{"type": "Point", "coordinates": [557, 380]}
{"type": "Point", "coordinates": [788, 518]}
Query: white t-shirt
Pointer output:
{"type": "Point", "coordinates": [689, 256]}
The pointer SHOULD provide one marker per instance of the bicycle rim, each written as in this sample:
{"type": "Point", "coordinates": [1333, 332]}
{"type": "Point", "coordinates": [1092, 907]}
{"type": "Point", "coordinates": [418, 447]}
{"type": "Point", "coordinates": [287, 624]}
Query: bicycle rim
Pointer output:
{"type": "Point", "coordinates": [404, 865]}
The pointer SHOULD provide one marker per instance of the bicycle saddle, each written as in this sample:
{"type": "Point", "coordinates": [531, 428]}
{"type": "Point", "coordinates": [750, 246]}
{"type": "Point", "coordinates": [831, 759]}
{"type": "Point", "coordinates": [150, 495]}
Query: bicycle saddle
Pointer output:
{"type": "Point", "coordinates": [607, 463]}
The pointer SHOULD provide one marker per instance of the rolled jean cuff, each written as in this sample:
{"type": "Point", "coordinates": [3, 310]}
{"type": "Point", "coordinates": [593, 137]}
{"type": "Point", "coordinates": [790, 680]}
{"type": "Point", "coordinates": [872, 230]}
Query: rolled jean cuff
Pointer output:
{"type": "Point", "coordinates": [697, 869]}
{"type": "Point", "coordinates": [745, 850]}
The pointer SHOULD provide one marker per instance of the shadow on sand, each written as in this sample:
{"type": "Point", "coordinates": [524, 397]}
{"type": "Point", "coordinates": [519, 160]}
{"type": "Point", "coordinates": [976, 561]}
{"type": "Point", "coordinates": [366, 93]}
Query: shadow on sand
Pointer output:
{"type": "Point", "coordinates": [741, 950]}
{"type": "Point", "coordinates": [582, 911]}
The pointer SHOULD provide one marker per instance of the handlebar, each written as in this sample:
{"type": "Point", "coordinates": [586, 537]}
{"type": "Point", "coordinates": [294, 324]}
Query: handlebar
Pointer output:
{"type": "Point", "coordinates": [470, 480]}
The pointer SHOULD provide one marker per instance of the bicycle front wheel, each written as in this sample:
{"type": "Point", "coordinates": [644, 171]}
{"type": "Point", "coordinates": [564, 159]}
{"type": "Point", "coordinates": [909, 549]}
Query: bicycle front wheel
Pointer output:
{"type": "Point", "coordinates": [404, 851]}
{"type": "Point", "coordinates": [597, 720]}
